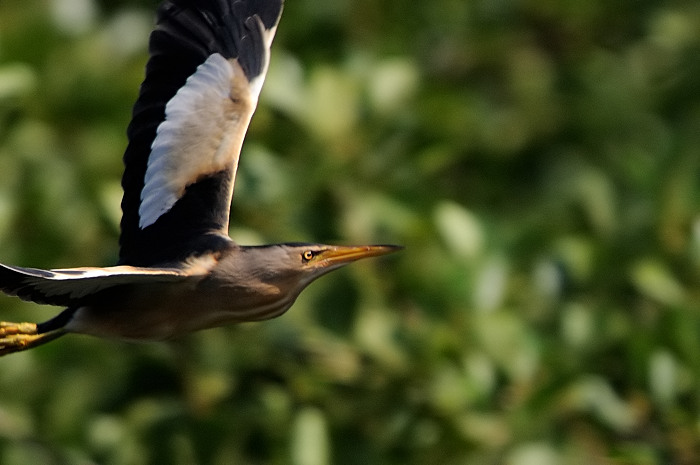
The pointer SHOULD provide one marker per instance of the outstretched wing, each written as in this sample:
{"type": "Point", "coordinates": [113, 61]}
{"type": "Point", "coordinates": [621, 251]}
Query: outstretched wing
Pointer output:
{"type": "Point", "coordinates": [207, 65]}
{"type": "Point", "coordinates": [71, 286]}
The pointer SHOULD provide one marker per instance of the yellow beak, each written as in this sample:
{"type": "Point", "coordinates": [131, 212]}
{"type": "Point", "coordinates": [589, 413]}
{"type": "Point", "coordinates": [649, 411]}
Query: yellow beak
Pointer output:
{"type": "Point", "coordinates": [341, 255]}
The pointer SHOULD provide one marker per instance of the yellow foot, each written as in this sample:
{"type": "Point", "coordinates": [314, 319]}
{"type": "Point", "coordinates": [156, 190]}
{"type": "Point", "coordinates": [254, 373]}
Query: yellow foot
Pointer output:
{"type": "Point", "coordinates": [21, 336]}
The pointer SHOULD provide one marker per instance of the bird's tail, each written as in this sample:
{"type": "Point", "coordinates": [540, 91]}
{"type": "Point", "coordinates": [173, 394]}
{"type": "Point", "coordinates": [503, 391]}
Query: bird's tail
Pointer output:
{"type": "Point", "coordinates": [15, 337]}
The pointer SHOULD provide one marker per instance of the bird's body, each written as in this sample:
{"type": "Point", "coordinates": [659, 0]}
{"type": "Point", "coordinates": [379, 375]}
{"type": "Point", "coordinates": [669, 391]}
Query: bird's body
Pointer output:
{"type": "Point", "coordinates": [178, 269]}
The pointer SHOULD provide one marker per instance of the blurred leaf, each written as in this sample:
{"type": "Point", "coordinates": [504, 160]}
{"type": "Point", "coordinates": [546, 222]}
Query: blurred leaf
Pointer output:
{"type": "Point", "coordinates": [663, 376]}
{"type": "Point", "coordinates": [16, 80]}
{"type": "Point", "coordinates": [656, 282]}
{"type": "Point", "coordinates": [533, 454]}
{"type": "Point", "coordinates": [595, 395]}
{"type": "Point", "coordinates": [460, 229]}
{"type": "Point", "coordinates": [310, 443]}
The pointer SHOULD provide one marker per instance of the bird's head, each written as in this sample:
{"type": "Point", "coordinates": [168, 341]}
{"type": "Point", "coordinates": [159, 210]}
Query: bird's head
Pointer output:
{"type": "Point", "coordinates": [295, 265]}
{"type": "Point", "coordinates": [267, 279]}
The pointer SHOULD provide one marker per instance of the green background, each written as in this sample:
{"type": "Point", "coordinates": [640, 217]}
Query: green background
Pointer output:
{"type": "Point", "coordinates": [540, 162]}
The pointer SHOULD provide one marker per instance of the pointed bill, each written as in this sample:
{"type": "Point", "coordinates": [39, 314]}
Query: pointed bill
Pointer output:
{"type": "Point", "coordinates": [342, 255]}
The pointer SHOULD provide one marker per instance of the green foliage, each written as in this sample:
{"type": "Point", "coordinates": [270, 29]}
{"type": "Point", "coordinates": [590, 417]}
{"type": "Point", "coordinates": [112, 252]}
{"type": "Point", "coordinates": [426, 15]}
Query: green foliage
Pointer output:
{"type": "Point", "coordinates": [538, 159]}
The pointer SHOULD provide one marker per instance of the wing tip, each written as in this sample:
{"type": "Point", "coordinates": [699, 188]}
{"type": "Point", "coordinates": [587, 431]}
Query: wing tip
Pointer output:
{"type": "Point", "coordinates": [269, 11]}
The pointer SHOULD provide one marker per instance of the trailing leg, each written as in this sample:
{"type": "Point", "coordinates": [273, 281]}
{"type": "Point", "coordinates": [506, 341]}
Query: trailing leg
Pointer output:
{"type": "Point", "coordinates": [15, 337]}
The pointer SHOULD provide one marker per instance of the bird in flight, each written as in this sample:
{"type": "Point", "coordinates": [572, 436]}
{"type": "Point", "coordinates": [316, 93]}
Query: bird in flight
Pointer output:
{"type": "Point", "coordinates": [178, 270]}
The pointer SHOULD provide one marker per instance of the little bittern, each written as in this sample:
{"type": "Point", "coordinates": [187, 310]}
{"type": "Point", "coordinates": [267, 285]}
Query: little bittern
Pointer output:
{"type": "Point", "coordinates": [178, 269]}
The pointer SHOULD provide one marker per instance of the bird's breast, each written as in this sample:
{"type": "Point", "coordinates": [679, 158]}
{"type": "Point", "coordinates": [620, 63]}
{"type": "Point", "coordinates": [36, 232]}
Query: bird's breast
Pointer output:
{"type": "Point", "coordinates": [165, 310]}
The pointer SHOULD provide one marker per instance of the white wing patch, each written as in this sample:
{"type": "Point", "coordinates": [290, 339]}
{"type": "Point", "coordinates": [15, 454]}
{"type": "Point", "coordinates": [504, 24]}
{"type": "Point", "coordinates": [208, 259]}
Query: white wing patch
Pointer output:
{"type": "Point", "coordinates": [203, 131]}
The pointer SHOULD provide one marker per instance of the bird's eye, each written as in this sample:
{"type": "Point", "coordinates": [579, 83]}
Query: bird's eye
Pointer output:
{"type": "Point", "coordinates": [307, 255]}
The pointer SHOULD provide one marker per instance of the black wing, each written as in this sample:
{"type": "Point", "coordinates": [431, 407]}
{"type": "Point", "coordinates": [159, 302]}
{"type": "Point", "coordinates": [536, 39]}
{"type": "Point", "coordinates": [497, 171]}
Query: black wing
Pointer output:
{"type": "Point", "coordinates": [71, 286]}
{"type": "Point", "coordinates": [208, 61]}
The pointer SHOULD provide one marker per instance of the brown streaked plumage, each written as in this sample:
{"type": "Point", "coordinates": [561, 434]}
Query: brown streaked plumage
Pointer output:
{"type": "Point", "coordinates": [178, 269]}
